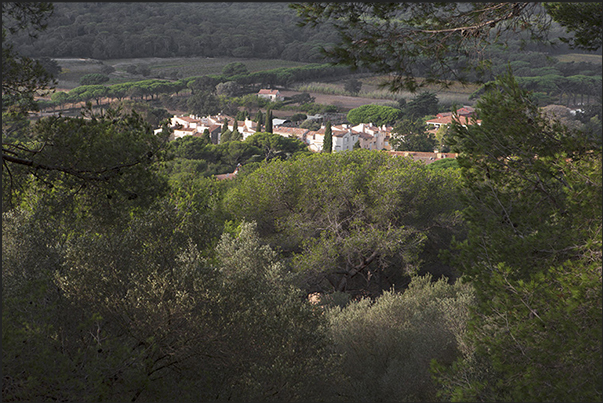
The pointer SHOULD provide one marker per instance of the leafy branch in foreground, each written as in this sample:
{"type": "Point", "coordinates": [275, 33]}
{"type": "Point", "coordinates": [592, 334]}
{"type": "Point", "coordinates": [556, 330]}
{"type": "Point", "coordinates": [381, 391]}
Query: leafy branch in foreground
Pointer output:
{"type": "Point", "coordinates": [532, 191]}
{"type": "Point", "coordinates": [419, 44]}
{"type": "Point", "coordinates": [112, 153]}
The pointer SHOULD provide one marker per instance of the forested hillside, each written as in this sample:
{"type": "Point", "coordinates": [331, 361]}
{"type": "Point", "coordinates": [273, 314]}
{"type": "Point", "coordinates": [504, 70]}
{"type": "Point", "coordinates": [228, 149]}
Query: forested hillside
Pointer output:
{"type": "Point", "coordinates": [114, 30]}
{"type": "Point", "coordinates": [248, 30]}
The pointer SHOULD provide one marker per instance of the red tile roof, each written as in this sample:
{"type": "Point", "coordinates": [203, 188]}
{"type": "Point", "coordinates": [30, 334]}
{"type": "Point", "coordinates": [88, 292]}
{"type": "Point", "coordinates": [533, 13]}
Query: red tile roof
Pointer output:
{"type": "Point", "coordinates": [339, 133]}
{"type": "Point", "coordinates": [464, 120]}
{"type": "Point", "coordinates": [464, 111]}
{"type": "Point", "coordinates": [268, 92]}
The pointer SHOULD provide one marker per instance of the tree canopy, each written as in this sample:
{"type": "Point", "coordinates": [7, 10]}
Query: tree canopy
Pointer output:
{"type": "Point", "coordinates": [376, 114]}
{"type": "Point", "coordinates": [410, 135]}
{"type": "Point", "coordinates": [128, 30]}
{"type": "Point", "coordinates": [107, 156]}
{"type": "Point", "coordinates": [531, 191]}
{"type": "Point", "coordinates": [355, 221]}
{"type": "Point", "coordinates": [425, 43]}
{"type": "Point", "coordinates": [583, 20]}
{"type": "Point", "coordinates": [533, 197]}
{"type": "Point", "coordinates": [22, 76]}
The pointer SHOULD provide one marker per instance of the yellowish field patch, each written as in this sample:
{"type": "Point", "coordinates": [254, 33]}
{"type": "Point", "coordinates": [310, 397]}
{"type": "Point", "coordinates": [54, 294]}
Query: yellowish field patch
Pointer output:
{"type": "Point", "coordinates": [580, 57]}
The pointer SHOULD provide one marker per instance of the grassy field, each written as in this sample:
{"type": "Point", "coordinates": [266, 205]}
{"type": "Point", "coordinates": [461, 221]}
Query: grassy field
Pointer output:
{"type": "Point", "coordinates": [455, 94]}
{"type": "Point", "coordinates": [580, 57]}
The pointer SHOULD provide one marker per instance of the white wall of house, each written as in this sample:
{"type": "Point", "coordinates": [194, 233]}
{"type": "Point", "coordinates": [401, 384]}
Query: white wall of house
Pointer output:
{"type": "Point", "coordinates": [380, 136]}
{"type": "Point", "coordinates": [184, 132]}
{"type": "Point", "coordinates": [344, 140]}
{"type": "Point", "coordinates": [315, 141]}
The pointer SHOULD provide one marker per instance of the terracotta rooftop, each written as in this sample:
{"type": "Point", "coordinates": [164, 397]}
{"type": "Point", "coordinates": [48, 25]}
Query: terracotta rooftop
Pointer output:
{"type": "Point", "coordinates": [465, 120]}
{"type": "Point", "coordinates": [464, 111]}
{"type": "Point", "coordinates": [268, 92]}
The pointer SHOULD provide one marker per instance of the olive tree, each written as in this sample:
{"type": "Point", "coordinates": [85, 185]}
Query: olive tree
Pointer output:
{"type": "Point", "coordinates": [388, 343]}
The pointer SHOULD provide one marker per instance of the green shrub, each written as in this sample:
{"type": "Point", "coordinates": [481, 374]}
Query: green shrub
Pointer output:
{"type": "Point", "coordinates": [445, 163]}
{"type": "Point", "coordinates": [377, 114]}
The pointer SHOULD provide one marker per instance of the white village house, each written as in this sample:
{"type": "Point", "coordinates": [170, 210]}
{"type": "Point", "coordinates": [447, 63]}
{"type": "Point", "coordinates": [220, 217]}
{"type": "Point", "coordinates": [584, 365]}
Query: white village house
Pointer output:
{"type": "Point", "coordinates": [273, 95]}
{"type": "Point", "coordinates": [195, 126]}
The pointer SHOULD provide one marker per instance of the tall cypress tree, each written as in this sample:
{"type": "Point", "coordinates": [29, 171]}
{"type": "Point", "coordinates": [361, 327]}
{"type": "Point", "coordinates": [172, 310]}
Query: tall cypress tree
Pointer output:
{"type": "Point", "coordinates": [236, 134]}
{"type": "Point", "coordinates": [328, 141]}
{"type": "Point", "coordinates": [225, 126]}
{"type": "Point", "coordinates": [268, 121]}
{"type": "Point", "coordinates": [259, 119]}
{"type": "Point", "coordinates": [226, 137]}
{"type": "Point", "coordinates": [206, 137]}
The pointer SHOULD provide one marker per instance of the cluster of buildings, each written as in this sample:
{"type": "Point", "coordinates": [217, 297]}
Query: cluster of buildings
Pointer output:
{"type": "Point", "coordinates": [344, 136]}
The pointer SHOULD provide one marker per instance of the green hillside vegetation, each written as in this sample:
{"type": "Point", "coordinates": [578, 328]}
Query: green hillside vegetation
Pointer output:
{"type": "Point", "coordinates": [193, 40]}
{"type": "Point", "coordinates": [175, 41]}
{"type": "Point", "coordinates": [165, 30]}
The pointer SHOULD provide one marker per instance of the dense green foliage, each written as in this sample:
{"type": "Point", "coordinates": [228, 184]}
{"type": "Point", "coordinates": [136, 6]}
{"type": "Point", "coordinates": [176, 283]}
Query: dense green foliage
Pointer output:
{"type": "Point", "coordinates": [132, 312]}
{"type": "Point", "coordinates": [106, 161]}
{"type": "Point", "coordinates": [533, 197]}
{"type": "Point", "coordinates": [423, 104]}
{"type": "Point", "coordinates": [327, 145]}
{"type": "Point", "coordinates": [269, 118]}
{"type": "Point", "coordinates": [584, 21]}
{"type": "Point", "coordinates": [22, 76]}
{"type": "Point", "coordinates": [200, 156]}
{"type": "Point", "coordinates": [357, 221]}
{"type": "Point", "coordinates": [93, 79]}
{"type": "Point", "coordinates": [444, 163]}
{"type": "Point", "coordinates": [410, 135]}
{"type": "Point", "coordinates": [377, 114]}
{"type": "Point", "coordinates": [388, 344]}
